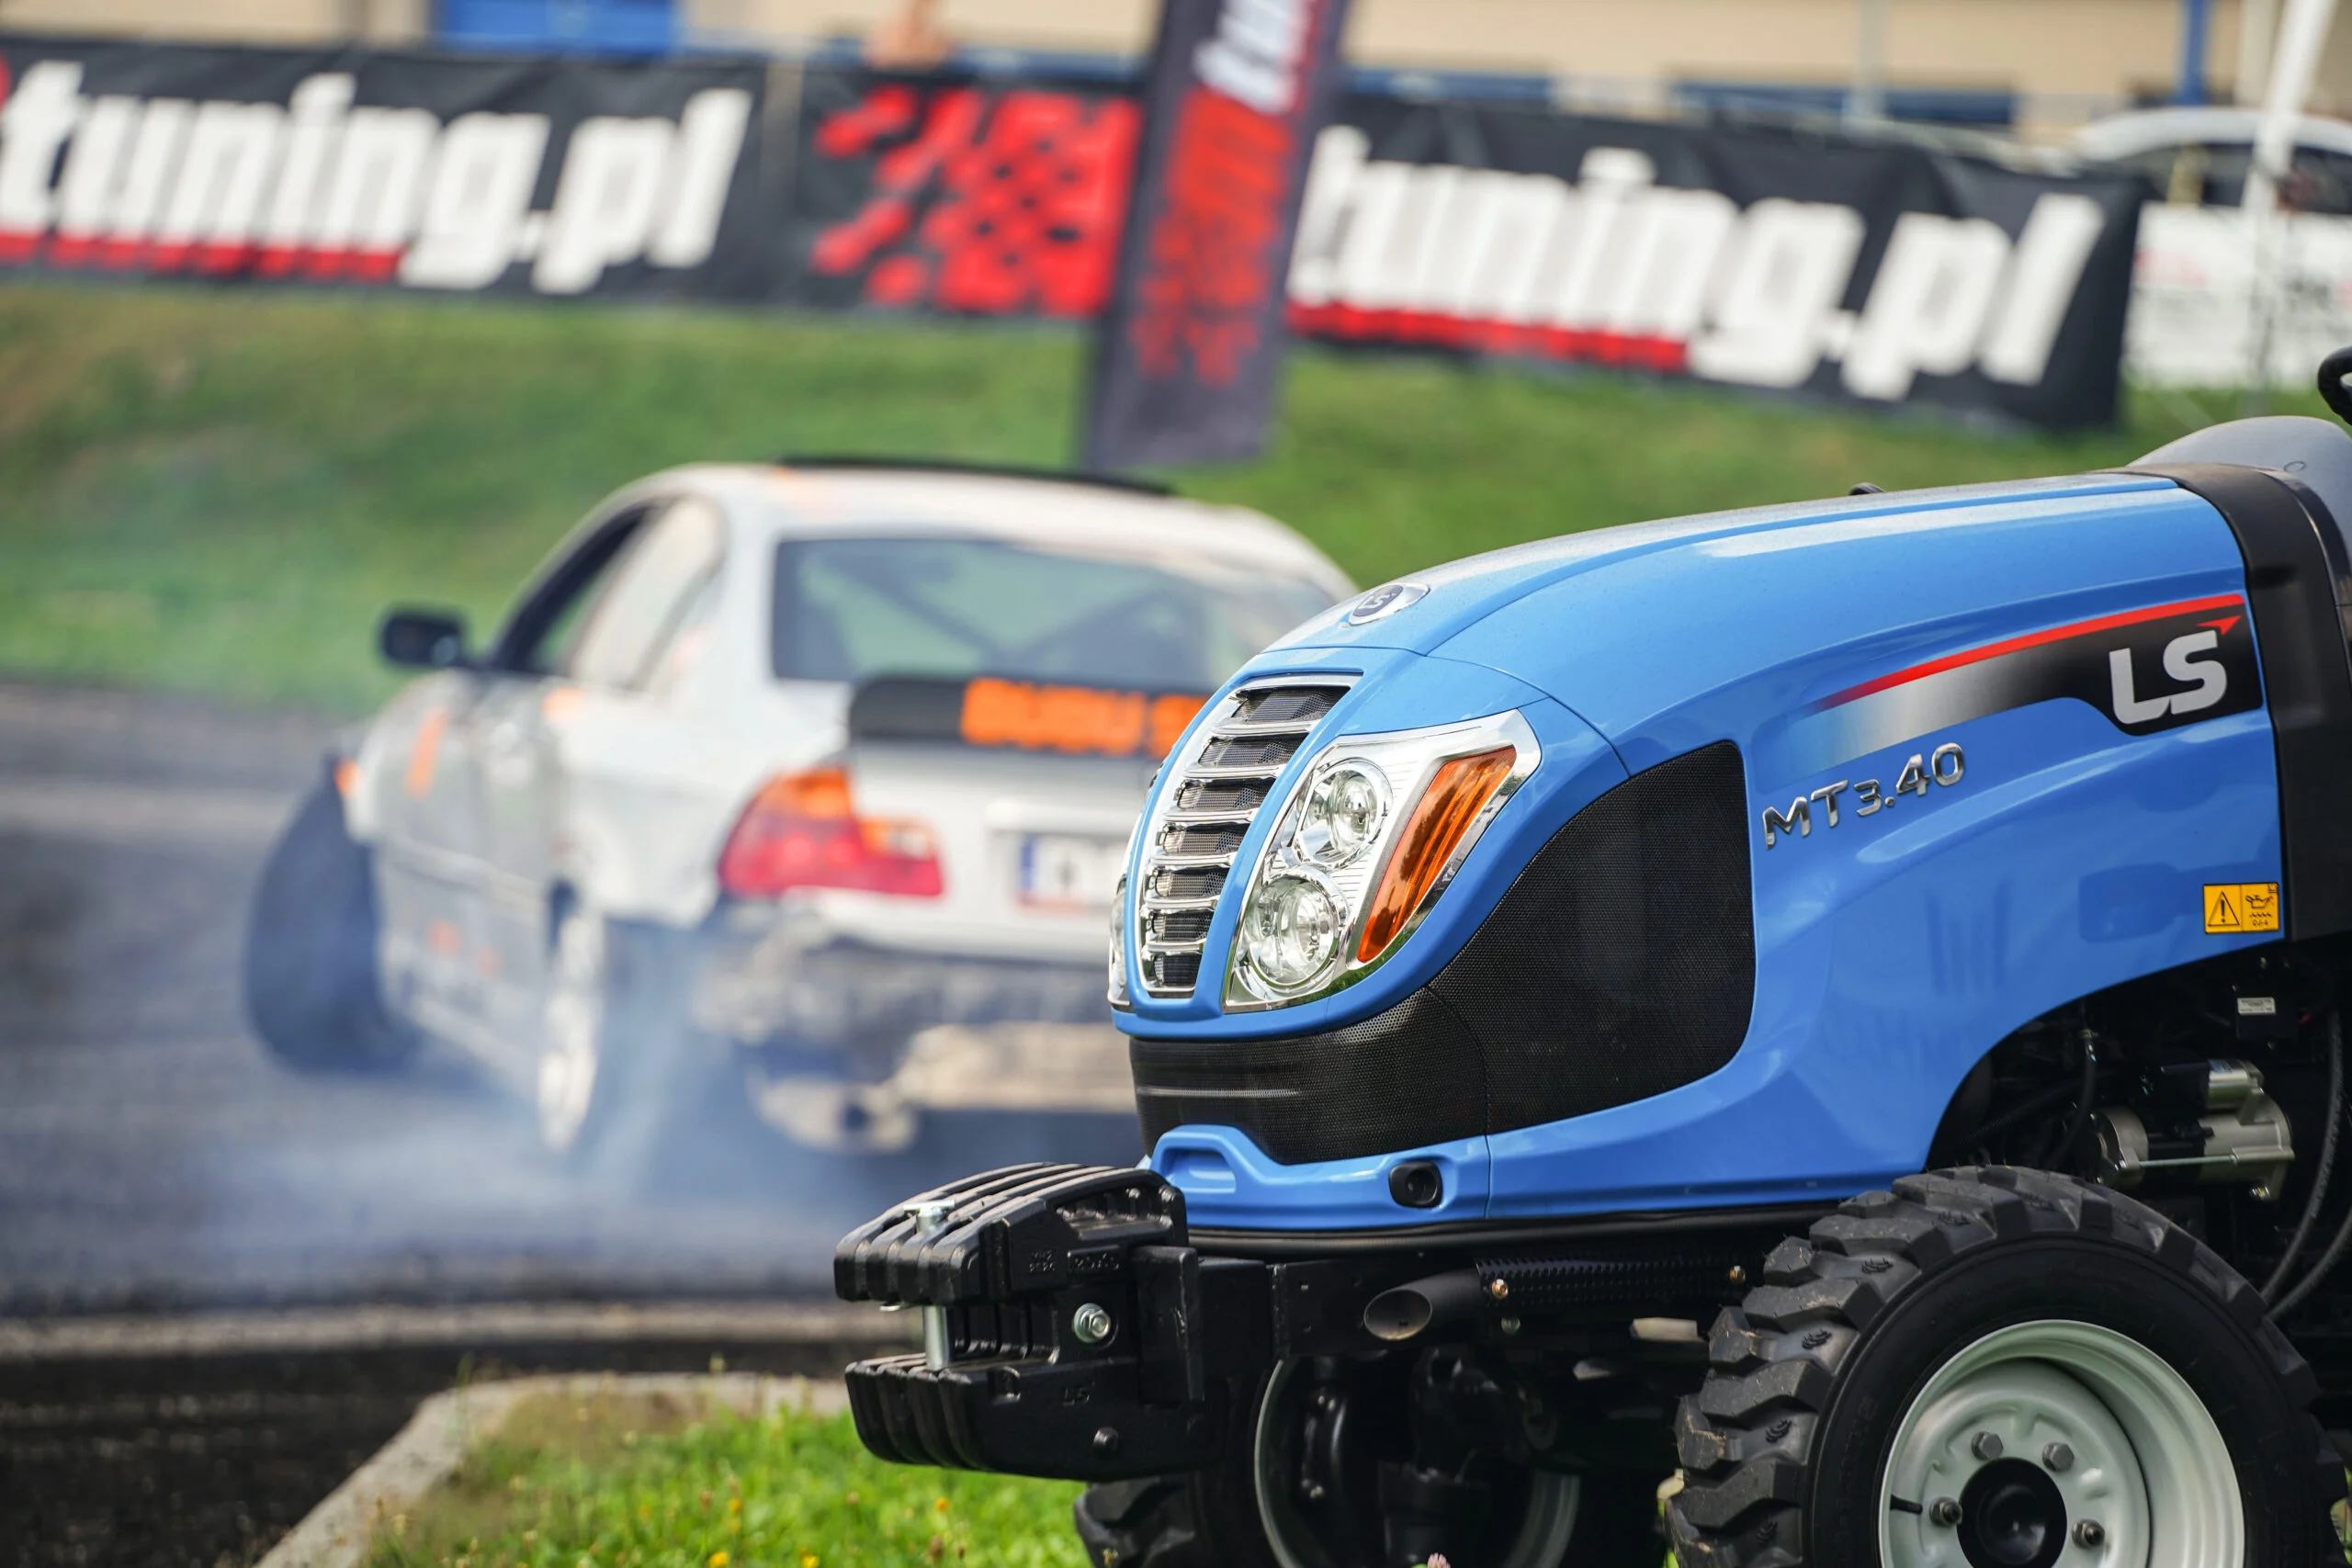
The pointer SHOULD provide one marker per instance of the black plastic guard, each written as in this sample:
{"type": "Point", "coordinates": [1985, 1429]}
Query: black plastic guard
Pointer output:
{"type": "Point", "coordinates": [1006, 1234]}
{"type": "Point", "coordinates": [1011, 1259]}
{"type": "Point", "coordinates": [1027, 1418]}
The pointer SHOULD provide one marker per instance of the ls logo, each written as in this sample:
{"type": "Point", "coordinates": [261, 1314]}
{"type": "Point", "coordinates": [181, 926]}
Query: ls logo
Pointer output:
{"type": "Point", "coordinates": [2192, 659]}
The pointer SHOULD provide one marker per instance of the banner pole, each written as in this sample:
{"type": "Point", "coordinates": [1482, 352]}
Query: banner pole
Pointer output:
{"type": "Point", "coordinates": [1867, 103]}
{"type": "Point", "coordinates": [2303, 37]}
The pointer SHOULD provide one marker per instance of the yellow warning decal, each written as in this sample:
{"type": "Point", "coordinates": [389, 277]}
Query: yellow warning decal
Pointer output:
{"type": "Point", "coordinates": [2234, 908]}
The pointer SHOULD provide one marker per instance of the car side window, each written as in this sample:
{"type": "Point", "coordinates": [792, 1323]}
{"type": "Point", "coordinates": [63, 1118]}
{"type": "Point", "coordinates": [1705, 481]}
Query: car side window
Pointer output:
{"type": "Point", "coordinates": [650, 596]}
{"type": "Point", "coordinates": [540, 633]}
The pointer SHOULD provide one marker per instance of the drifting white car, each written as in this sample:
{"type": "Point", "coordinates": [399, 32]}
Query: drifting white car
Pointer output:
{"type": "Point", "coordinates": [819, 772]}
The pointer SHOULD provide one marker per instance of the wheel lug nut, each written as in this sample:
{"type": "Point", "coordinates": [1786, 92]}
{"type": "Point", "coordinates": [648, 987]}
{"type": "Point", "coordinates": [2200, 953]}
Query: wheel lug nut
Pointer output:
{"type": "Point", "coordinates": [2089, 1533]}
{"type": "Point", "coordinates": [1945, 1511]}
{"type": "Point", "coordinates": [2058, 1457]}
{"type": "Point", "coordinates": [1985, 1446]}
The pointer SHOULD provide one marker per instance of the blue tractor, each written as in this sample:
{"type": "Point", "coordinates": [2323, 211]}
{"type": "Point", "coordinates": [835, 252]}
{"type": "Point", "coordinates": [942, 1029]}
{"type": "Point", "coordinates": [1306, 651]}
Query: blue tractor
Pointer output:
{"type": "Point", "coordinates": [1807, 1035]}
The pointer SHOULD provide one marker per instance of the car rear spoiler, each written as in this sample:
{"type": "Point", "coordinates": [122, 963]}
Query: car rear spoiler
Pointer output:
{"type": "Point", "coordinates": [1000, 714]}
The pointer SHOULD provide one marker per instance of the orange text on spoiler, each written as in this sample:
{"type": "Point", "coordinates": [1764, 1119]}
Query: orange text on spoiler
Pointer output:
{"type": "Point", "coordinates": [1076, 719]}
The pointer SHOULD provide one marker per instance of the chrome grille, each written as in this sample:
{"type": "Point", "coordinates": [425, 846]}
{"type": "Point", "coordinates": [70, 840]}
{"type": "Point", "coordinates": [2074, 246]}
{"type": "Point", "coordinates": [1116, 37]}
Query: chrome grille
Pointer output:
{"type": "Point", "coordinates": [1201, 817]}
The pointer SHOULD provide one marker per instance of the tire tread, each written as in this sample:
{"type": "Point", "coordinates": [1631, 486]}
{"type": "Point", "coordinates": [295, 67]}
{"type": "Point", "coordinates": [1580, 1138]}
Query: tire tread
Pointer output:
{"type": "Point", "coordinates": [1745, 1438]}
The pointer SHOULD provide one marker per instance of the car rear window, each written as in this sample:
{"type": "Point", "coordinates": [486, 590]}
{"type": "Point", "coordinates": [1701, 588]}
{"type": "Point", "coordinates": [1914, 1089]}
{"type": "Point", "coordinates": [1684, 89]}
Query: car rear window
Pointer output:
{"type": "Point", "coordinates": [853, 609]}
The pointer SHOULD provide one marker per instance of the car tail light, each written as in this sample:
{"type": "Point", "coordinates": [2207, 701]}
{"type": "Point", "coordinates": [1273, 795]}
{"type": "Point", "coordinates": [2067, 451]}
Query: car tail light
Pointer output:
{"type": "Point", "coordinates": [801, 830]}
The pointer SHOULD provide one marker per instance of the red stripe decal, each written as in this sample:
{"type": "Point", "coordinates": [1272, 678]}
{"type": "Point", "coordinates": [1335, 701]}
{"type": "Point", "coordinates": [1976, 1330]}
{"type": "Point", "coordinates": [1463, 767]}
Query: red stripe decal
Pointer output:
{"type": "Point", "coordinates": [2031, 639]}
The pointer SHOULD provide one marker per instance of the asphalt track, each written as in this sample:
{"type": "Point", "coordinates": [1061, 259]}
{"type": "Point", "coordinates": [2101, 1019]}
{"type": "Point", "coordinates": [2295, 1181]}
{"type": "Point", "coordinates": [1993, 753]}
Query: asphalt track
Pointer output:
{"type": "Point", "coordinates": [154, 1157]}
{"type": "Point", "coordinates": [155, 1162]}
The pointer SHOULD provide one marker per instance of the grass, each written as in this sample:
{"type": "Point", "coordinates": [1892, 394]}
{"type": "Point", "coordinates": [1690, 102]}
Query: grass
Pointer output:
{"type": "Point", "coordinates": [220, 490]}
{"type": "Point", "coordinates": [625, 1480]}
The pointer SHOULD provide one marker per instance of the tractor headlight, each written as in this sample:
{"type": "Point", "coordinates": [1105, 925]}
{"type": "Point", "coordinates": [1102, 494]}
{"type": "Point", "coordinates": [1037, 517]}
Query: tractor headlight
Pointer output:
{"type": "Point", "coordinates": [1290, 932]}
{"type": "Point", "coordinates": [1343, 814]}
{"type": "Point", "coordinates": [1367, 839]}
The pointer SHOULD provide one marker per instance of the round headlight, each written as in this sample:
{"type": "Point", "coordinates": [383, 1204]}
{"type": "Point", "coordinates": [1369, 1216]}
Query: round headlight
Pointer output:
{"type": "Point", "coordinates": [1292, 931]}
{"type": "Point", "coordinates": [1342, 815]}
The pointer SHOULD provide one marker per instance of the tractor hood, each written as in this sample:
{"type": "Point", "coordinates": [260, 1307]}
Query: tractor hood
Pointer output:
{"type": "Point", "coordinates": [1807, 796]}
{"type": "Point", "coordinates": [1635, 629]}
{"type": "Point", "coordinates": [1826, 641]}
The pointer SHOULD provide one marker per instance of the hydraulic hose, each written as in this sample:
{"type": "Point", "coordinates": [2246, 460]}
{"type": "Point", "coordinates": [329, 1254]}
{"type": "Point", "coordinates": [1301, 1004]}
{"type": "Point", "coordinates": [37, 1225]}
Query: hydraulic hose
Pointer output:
{"type": "Point", "coordinates": [2334, 1253]}
{"type": "Point", "coordinates": [2086, 1094]}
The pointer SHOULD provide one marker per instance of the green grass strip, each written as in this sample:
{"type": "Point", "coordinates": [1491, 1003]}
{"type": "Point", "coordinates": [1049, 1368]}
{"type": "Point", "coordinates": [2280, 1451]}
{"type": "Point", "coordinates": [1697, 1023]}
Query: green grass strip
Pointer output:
{"type": "Point", "coordinates": [220, 490]}
{"type": "Point", "coordinates": [625, 1480]}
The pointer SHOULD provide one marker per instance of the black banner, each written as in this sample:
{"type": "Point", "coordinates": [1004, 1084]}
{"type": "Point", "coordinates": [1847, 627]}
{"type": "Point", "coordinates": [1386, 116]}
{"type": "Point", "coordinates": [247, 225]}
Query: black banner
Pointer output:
{"type": "Point", "coordinates": [1879, 273]}
{"type": "Point", "coordinates": [561, 177]}
{"type": "Point", "coordinates": [1185, 361]}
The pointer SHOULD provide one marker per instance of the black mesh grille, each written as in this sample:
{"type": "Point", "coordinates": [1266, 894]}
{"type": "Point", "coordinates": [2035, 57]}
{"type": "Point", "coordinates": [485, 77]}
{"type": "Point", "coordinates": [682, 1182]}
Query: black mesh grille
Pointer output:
{"type": "Point", "coordinates": [1202, 882]}
{"type": "Point", "coordinates": [1178, 925]}
{"type": "Point", "coordinates": [1172, 971]}
{"type": "Point", "coordinates": [1202, 839]}
{"type": "Point", "coordinates": [1620, 964]}
{"type": "Point", "coordinates": [1410, 1076]}
{"type": "Point", "coordinates": [1222, 794]}
{"type": "Point", "coordinates": [1288, 705]}
{"type": "Point", "coordinates": [1251, 750]}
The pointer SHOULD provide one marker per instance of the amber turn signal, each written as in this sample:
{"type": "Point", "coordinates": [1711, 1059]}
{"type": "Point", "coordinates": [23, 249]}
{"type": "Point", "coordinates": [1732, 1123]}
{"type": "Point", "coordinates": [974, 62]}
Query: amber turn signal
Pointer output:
{"type": "Point", "coordinates": [1447, 809]}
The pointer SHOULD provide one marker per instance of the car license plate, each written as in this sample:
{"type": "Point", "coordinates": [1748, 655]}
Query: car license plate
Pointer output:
{"type": "Point", "coordinates": [1061, 872]}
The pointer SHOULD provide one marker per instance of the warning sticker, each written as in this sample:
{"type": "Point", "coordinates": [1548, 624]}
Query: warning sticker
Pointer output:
{"type": "Point", "coordinates": [2234, 908]}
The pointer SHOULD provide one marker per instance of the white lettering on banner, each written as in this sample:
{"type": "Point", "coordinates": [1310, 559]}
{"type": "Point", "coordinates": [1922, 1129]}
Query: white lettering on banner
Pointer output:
{"type": "Point", "coordinates": [374, 192]}
{"type": "Point", "coordinates": [1254, 57]}
{"type": "Point", "coordinates": [1502, 256]}
{"type": "Point", "coordinates": [216, 201]}
{"type": "Point", "coordinates": [1775, 311]}
{"type": "Point", "coordinates": [479, 197]}
{"type": "Point", "coordinates": [710, 142]}
{"type": "Point", "coordinates": [1928, 305]}
{"type": "Point", "coordinates": [90, 190]}
{"type": "Point", "coordinates": [1617, 268]}
{"type": "Point", "coordinates": [317, 110]}
{"type": "Point", "coordinates": [2059, 234]}
{"type": "Point", "coordinates": [372, 202]}
{"type": "Point", "coordinates": [1334, 174]}
{"type": "Point", "coordinates": [147, 177]}
{"type": "Point", "coordinates": [38, 117]}
{"type": "Point", "coordinates": [605, 203]}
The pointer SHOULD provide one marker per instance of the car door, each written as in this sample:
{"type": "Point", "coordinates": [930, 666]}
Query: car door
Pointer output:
{"type": "Point", "coordinates": [600, 666]}
{"type": "Point", "coordinates": [427, 851]}
{"type": "Point", "coordinates": [450, 894]}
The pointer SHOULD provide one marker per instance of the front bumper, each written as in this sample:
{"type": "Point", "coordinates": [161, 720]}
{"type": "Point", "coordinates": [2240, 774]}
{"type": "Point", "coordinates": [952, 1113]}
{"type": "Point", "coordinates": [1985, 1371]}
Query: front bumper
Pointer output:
{"type": "Point", "coordinates": [1072, 1330]}
{"type": "Point", "coordinates": [798, 987]}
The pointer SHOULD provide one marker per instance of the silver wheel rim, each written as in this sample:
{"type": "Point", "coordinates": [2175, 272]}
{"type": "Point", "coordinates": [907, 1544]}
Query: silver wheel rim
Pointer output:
{"type": "Point", "coordinates": [571, 1025]}
{"type": "Point", "coordinates": [1541, 1541]}
{"type": "Point", "coordinates": [2119, 1435]}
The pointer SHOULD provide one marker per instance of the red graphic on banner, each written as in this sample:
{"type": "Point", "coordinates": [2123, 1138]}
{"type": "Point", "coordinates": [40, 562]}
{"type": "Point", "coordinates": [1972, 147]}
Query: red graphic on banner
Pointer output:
{"type": "Point", "coordinates": [998, 204]}
{"type": "Point", "coordinates": [1210, 264]}
{"type": "Point", "coordinates": [1435, 329]}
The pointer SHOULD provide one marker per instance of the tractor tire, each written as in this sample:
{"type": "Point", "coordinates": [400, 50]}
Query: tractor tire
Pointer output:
{"type": "Point", "coordinates": [1919, 1379]}
{"type": "Point", "coordinates": [311, 986]}
{"type": "Point", "coordinates": [1212, 1518]}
